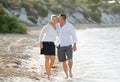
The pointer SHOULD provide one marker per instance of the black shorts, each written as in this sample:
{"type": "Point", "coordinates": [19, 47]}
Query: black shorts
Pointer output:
{"type": "Point", "coordinates": [48, 48]}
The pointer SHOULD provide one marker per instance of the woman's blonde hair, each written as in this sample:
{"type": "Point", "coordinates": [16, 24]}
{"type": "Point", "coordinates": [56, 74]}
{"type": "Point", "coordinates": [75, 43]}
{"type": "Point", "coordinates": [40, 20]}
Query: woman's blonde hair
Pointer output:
{"type": "Point", "coordinates": [53, 16]}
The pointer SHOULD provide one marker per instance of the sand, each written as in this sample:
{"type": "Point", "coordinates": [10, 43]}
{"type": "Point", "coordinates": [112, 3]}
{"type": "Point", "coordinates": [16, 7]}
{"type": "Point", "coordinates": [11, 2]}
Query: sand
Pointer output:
{"type": "Point", "coordinates": [96, 60]}
{"type": "Point", "coordinates": [20, 59]}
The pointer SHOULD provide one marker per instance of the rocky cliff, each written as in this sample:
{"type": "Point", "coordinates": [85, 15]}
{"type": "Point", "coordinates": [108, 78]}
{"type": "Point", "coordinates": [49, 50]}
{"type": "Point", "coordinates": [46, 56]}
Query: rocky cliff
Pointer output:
{"type": "Point", "coordinates": [104, 14]}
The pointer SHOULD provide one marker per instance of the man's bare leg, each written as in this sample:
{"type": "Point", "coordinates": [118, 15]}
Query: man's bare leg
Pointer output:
{"type": "Point", "coordinates": [70, 64]}
{"type": "Point", "coordinates": [65, 69]}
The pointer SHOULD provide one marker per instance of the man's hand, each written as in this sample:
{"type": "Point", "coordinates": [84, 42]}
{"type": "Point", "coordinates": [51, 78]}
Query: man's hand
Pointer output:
{"type": "Point", "coordinates": [41, 45]}
{"type": "Point", "coordinates": [74, 48]}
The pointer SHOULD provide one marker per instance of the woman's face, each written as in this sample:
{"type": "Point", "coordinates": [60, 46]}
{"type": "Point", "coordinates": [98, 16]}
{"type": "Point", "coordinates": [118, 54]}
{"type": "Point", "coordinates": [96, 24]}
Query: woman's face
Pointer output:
{"type": "Point", "coordinates": [55, 19]}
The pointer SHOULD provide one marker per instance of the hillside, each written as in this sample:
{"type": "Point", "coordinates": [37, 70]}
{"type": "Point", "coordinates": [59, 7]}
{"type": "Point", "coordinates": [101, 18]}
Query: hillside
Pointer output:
{"type": "Point", "coordinates": [78, 11]}
{"type": "Point", "coordinates": [10, 24]}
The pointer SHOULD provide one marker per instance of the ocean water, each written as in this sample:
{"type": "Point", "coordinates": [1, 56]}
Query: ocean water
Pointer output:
{"type": "Point", "coordinates": [97, 58]}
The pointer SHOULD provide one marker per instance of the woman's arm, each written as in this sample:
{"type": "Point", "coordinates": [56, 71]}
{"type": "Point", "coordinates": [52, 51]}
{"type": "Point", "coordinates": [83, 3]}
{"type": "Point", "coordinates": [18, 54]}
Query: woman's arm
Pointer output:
{"type": "Point", "coordinates": [41, 35]}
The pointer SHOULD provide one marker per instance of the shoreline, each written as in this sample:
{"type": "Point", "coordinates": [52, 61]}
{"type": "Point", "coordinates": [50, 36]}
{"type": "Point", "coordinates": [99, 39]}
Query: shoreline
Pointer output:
{"type": "Point", "coordinates": [20, 58]}
{"type": "Point", "coordinates": [82, 26]}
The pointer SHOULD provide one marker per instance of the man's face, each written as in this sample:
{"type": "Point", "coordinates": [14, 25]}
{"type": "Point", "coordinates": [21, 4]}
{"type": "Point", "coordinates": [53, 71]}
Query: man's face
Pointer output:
{"type": "Point", "coordinates": [59, 19]}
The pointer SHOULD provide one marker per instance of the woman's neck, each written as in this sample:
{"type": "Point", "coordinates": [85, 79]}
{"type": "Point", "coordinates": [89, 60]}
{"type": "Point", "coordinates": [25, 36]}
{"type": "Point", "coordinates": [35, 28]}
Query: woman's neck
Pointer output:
{"type": "Point", "coordinates": [53, 25]}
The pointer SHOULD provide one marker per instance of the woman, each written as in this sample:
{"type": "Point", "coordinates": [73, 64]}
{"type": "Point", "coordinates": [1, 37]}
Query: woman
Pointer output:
{"type": "Point", "coordinates": [47, 40]}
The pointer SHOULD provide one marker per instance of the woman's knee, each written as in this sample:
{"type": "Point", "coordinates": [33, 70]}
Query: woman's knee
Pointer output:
{"type": "Point", "coordinates": [47, 58]}
{"type": "Point", "coordinates": [52, 59]}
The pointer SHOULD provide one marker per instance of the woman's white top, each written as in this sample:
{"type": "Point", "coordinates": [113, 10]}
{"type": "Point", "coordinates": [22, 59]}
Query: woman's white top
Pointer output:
{"type": "Point", "coordinates": [48, 34]}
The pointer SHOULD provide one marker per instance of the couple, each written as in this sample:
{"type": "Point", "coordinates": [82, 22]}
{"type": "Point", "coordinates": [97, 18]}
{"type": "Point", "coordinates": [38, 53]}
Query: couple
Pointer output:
{"type": "Point", "coordinates": [58, 27]}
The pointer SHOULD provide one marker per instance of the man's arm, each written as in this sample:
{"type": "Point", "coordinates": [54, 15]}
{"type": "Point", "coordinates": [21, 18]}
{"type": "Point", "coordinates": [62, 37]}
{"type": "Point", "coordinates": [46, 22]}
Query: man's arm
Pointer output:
{"type": "Point", "coordinates": [74, 48]}
{"type": "Point", "coordinates": [74, 37]}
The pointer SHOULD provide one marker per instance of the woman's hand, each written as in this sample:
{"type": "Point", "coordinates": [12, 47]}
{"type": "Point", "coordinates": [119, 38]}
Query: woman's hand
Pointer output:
{"type": "Point", "coordinates": [41, 45]}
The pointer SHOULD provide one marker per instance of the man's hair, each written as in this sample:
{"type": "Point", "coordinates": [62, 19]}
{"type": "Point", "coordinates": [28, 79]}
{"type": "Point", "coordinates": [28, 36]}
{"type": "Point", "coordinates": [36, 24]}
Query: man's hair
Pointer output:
{"type": "Point", "coordinates": [63, 16]}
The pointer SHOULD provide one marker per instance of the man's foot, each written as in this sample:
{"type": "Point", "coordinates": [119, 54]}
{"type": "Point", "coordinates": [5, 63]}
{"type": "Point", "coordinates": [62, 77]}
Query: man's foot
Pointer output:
{"type": "Point", "coordinates": [48, 77]}
{"type": "Point", "coordinates": [71, 75]}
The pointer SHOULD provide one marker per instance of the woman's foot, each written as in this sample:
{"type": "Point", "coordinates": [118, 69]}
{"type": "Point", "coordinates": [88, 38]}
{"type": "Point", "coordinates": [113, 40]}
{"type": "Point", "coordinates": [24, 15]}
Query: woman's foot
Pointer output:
{"type": "Point", "coordinates": [46, 73]}
{"type": "Point", "coordinates": [66, 77]}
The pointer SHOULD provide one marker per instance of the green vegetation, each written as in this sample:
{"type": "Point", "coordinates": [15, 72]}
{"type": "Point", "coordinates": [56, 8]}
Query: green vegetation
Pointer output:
{"type": "Point", "coordinates": [33, 19]}
{"type": "Point", "coordinates": [91, 8]}
{"type": "Point", "coordinates": [111, 8]}
{"type": "Point", "coordinates": [10, 24]}
{"type": "Point", "coordinates": [114, 9]}
{"type": "Point", "coordinates": [92, 15]}
{"type": "Point", "coordinates": [55, 9]}
{"type": "Point", "coordinates": [40, 8]}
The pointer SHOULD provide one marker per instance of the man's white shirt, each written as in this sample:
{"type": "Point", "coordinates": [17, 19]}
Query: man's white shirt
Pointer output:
{"type": "Point", "coordinates": [66, 34]}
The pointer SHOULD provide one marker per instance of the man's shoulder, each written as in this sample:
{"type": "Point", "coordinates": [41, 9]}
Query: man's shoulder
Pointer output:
{"type": "Point", "coordinates": [69, 24]}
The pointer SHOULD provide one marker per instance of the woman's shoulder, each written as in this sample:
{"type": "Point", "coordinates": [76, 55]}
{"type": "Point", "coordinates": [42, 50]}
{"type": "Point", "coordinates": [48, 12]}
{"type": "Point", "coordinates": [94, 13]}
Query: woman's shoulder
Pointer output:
{"type": "Point", "coordinates": [46, 26]}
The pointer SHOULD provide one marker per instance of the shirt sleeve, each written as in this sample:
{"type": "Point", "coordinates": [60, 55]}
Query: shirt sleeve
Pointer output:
{"type": "Point", "coordinates": [73, 34]}
{"type": "Point", "coordinates": [57, 28]}
{"type": "Point", "coordinates": [57, 42]}
{"type": "Point", "coordinates": [43, 32]}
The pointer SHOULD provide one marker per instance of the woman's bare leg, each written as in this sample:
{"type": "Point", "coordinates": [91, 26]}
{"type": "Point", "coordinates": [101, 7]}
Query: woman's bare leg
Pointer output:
{"type": "Point", "coordinates": [47, 66]}
{"type": "Point", "coordinates": [52, 61]}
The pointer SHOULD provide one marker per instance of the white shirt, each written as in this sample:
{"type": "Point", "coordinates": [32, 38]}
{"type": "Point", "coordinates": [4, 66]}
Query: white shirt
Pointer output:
{"type": "Point", "coordinates": [66, 34]}
{"type": "Point", "coordinates": [48, 34]}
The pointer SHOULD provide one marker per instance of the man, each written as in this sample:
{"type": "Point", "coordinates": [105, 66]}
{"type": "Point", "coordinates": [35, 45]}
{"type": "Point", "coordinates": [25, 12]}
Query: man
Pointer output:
{"type": "Point", "coordinates": [67, 43]}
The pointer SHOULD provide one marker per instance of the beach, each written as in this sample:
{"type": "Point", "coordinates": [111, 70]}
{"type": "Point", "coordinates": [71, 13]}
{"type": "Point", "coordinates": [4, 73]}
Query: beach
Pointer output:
{"type": "Point", "coordinates": [97, 57]}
